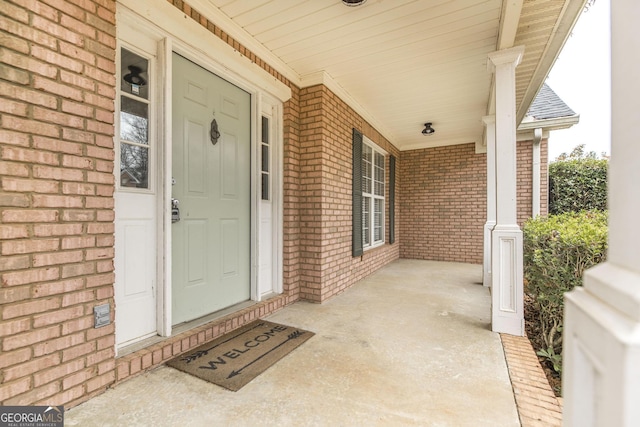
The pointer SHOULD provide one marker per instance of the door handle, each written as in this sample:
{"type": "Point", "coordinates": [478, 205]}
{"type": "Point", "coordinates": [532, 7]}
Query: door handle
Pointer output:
{"type": "Point", "coordinates": [175, 211]}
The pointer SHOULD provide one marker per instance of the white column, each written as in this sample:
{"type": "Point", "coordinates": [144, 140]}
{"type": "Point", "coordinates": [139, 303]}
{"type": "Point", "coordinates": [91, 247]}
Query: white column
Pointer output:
{"type": "Point", "coordinates": [601, 349]}
{"type": "Point", "coordinates": [490, 133]}
{"type": "Point", "coordinates": [535, 203]}
{"type": "Point", "coordinates": [507, 304]}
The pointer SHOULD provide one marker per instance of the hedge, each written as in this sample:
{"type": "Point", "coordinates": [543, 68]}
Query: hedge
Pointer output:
{"type": "Point", "coordinates": [577, 182]}
{"type": "Point", "coordinates": [557, 251]}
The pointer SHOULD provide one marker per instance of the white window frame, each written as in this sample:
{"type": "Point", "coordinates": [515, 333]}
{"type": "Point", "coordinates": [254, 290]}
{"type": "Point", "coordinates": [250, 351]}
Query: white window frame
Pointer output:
{"type": "Point", "coordinates": [369, 242]}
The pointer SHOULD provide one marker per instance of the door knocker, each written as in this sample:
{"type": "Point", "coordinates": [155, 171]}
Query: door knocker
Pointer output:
{"type": "Point", "coordinates": [214, 132]}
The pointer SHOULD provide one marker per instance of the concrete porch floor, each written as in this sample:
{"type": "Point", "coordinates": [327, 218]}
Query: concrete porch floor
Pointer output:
{"type": "Point", "coordinates": [409, 345]}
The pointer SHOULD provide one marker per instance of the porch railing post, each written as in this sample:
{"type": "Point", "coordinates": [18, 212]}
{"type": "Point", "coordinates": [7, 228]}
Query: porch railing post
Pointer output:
{"type": "Point", "coordinates": [507, 304]}
{"type": "Point", "coordinates": [601, 344]}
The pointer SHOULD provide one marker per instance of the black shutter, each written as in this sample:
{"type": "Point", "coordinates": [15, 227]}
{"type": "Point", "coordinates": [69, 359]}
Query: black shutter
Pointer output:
{"type": "Point", "coordinates": [392, 199]}
{"type": "Point", "coordinates": [357, 194]}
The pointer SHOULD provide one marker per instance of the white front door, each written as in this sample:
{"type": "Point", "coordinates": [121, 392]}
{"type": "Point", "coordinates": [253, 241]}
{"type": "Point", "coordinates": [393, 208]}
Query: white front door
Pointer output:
{"type": "Point", "coordinates": [211, 177]}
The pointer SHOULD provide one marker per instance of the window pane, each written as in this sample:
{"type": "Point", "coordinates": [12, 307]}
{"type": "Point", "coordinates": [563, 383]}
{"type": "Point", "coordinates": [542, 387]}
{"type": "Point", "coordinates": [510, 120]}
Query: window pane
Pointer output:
{"type": "Point", "coordinates": [134, 166]}
{"type": "Point", "coordinates": [379, 175]}
{"type": "Point", "coordinates": [265, 186]}
{"type": "Point", "coordinates": [265, 158]}
{"type": "Point", "coordinates": [134, 76]}
{"type": "Point", "coordinates": [265, 130]}
{"type": "Point", "coordinates": [366, 221]}
{"type": "Point", "coordinates": [134, 120]}
{"type": "Point", "coordinates": [367, 169]}
{"type": "Point", "coordinates": [380, 161]}
{"type": "Point", "coordinates": [377, 219]}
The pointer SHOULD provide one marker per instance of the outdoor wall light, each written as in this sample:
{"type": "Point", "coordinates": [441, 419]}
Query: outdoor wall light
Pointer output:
{"type": "Point", "coordinates": [352, 3]}
{"type": "Point", "coordinates": [428, 130]}
{"type": "Point", "coordinates": [134, 77]}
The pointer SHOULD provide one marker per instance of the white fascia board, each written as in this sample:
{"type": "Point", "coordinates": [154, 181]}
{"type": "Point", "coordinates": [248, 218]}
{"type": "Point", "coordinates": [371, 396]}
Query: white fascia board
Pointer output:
{"type": "Point", "coordinates": [550, 124]}
{"type": "Point", "coordinates": [570, 14]}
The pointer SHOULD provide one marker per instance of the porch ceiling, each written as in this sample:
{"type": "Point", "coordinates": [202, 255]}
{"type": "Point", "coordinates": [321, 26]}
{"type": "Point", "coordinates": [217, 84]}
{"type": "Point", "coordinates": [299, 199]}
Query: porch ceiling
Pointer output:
{"type": "Point", "coordinates": [402, 63]}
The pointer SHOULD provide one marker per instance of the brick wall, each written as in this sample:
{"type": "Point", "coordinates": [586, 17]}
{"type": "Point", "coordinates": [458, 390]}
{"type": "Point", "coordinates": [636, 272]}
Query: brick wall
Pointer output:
{"type": "Point", "coordinates": [525, 179]}
{"type": "Point", "coordinates": [443, 200]}
{"type": "Point", "coordinates": [56, 199]}
{"type": "Point", "coordinates": [326, 205]}
{"type": "Point", "coordinates": [443, 203]}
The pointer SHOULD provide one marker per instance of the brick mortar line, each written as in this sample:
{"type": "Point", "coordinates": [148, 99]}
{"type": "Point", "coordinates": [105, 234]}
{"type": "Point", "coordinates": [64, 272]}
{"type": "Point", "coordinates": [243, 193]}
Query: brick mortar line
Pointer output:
{"type": "Point", "coordinates": [516, 351]}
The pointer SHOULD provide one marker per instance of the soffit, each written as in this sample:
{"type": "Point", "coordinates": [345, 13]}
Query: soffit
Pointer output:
{"type": "Point", "coordinates": [399, 63]}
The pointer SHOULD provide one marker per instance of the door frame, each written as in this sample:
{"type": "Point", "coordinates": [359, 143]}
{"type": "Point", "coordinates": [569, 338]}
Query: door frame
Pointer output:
{"type": "Point", "coordinates": [200, 46]}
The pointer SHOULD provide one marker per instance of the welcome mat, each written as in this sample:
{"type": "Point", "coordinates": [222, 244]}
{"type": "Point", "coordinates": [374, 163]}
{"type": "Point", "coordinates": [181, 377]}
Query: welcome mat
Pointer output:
{"type": "Point", "coordinates": [234, 359]}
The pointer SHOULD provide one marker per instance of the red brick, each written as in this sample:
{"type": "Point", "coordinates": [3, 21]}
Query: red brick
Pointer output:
{"type": "Point", "coordinates": [14, 327]}
{"type": "Point", "coordinates": [55, 288]}
{"type": "Point", "coordinates": [14, 388]}
{"type": "Point", "coordinates": [58, 31]}
{"type": "Point", "coordinates": [31, 367]}
{"type": "Point", "coordinates": [14, 294]}
{"type": "Point", "coordinates": [46, 376]}
{"type": "Point", "coordinates": [30, 156]}
{"type": "Point", "coordinates": [79, 324]}
{"type": "Point", "coordinates": [78, 215]}
{"type": "Point", "coordinates": [57, 344]}
{"type": "Point", "coordinates": [29, 246]}
{"type": "Point", "coordinates": [78, 242]}
{"type": "Point", "coordinates": [13, 107]}
{"type": "Point", "coordinates": [28, 95]}
{"type": "Point", "coordinates": [55, 258]}
{"type": "Point", "coordinates": [13, 169]}
{"type": "Point", "coordinates": [32, 215]}
{"type": "Point", "coordinates": [106, 366]}
{"type": "Point", "coordinates": [48, 230]}
{"type": "Point", "coordinates": [78, 298]}
{"type": "Point", "coordinates": [34, 395]}
{"type": "Point", "coordinates": [101, 382]}
{"type": "Point", "coordinates": [11, 358]}
{"type": "Point", "coordinates": [74, 270]}
{"type": "Point", "coordinates": [14, 263]}
{"type": "Point", "coordinates": [99, 202]}
{"type": "Point", "coordinates": [12, 200]}
{"type": "Point", "coordinates": [56, 88]}
{"type": "Point", "coordinates": [100, 356]}
{"type": "Point", "coordinates": [100, 253]}
{"type": "Point", "coordinates": [77, 162]}
{"type": "Point", "coordinates": [27, 63]}
{"type": "Point", "coordinates": [93, 334]}
{"type": "Point", "coordinates": [29, 185]}
{"type": "Point", "coordinates": [57, 201]}
{"type": "Point", "coordinates": [57, 317]}
{"type": "Point", "coordinates": [13, 232]}
{"type": "Point", "coordinates": [78, 135]}
{"type": "Point", "coordinates": [30, 276]}
{"type": "Point", "coordinates": [78, 351]}
{"type": "Point", "coordinates": [79, 188]}
{"type": "Point", "coordinates": [77, 378]}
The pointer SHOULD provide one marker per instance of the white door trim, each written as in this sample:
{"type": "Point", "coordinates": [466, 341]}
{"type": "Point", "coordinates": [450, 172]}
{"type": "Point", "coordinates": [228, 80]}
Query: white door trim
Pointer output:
{"type": "Point", "coordinates": [205, 49]}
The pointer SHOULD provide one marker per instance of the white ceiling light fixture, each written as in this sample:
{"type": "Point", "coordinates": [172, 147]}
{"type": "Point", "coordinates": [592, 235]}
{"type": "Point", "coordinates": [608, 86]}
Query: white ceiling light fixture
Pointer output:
{"type": "Point", "coordinates": [353, 3]}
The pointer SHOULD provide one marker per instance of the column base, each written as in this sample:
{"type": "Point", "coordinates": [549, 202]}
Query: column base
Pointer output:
{"type": "Point", "coordinates": [601, 349]}
{"type": "Point", "coordinates": [507, 285]}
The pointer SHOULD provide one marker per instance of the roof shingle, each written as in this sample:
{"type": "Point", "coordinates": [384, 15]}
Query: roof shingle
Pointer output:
{"type": "Point", "coordinates": [548, 105]}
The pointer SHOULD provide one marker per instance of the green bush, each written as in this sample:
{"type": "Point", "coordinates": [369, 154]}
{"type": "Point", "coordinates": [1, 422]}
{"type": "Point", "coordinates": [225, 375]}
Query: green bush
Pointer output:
{"type": "Point", "coordinates": [557, 251]}
{"type": "Point", "coordinates": [577, 181]}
